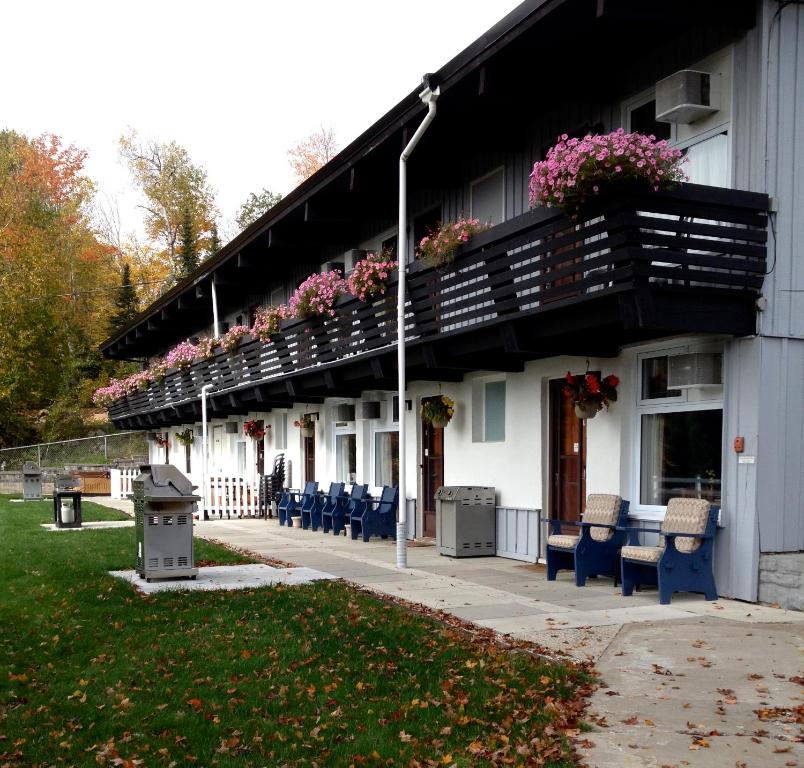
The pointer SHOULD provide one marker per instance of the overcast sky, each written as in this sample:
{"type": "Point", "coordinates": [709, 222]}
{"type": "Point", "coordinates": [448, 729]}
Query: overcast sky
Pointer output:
{"type": "Point", "coordinates": [237, 83]}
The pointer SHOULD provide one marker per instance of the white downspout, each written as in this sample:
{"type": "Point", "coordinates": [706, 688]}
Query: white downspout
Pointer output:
{"type": "Point", "coordinates": [429, 97]}
{"type": "Point", "coordinates": [215, 323]}
{"type": "Point", "coordinates": [204, 447]}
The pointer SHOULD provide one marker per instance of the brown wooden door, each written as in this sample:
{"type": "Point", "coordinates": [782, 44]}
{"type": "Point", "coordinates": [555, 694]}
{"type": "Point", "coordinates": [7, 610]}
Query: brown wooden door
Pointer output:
{"type": "Point", "coordinates": [432, 473]}
{"type": "Point", "coordinates": [260, 445]}
{"type": "Point", "coordinates": [309, 458]}
{"type": "Point", "coordinates": [567, 456]}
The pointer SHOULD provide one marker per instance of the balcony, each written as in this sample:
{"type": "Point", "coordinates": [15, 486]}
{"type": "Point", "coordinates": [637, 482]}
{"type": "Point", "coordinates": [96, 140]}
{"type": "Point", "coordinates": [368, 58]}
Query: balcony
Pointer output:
{"type": "Point", "coordinates": [640, 265]}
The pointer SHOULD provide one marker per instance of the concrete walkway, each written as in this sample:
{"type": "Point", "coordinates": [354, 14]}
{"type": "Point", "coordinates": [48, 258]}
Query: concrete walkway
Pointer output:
{"type": "Point", "coordinates": [691, 684]}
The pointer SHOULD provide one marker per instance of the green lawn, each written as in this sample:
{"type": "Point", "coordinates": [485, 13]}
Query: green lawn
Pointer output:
{"type": "Point", "coordinates": [322, 675]}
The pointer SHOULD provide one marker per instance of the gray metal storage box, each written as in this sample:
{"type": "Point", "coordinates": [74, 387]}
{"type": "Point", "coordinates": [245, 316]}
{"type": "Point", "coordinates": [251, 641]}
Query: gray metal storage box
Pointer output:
{"type": "Point", "coordinates": [31, 481]}
{"type": "Point", "coordinates": [466, 524]}
{"type": "Point", "coordinates": [163, 518]}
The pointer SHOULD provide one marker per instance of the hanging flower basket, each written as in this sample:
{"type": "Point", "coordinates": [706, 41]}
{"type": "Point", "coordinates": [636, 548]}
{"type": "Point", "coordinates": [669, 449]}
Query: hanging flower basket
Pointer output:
{"type": "Point", "coordinates": [306, 425]}
{"type": "Point", "coordinates": [186, 437]}
{"type": "Point", "coordinates": [254, 429]}
{"type": "Point", "coordinates": [438, 411]}
{"type": "Point", "coordinates": [589, 394]}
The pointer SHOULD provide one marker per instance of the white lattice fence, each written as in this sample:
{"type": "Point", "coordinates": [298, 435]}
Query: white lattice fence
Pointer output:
{"type": "Point", "coordinates": [121, 482]}
{"type": "Point", "coordinates": [231, 496]}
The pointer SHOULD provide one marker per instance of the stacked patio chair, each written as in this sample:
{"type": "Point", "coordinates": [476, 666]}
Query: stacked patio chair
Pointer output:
{"type": "Point", "coordinates": [339, 516]}
{"type": "Point", "coordinates": [271, 486]}
{"type": "Point", "coordinates": [293, 502]}
{"type": "Point", "coordinates": [377, 516]}
{"type": "Point", "coordinates": [323, 503]}
{"type": "Point", "coordinates": [595, 550]}
{"type": "Point", "coordinates": [683, 559]}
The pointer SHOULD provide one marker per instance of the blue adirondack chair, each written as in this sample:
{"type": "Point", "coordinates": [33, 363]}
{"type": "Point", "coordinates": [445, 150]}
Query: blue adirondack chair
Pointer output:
{"type": "Point", "coordinates": [595, 551]}
{"type": "Point", "coordinates": [293, 501]}
{"type": "Point", "coordinates": [338, 517]}
{"type": "Point", "coordinates": [377, 517]}
{"type": "Point", "coordinates": [312, 517]}
{"type": "Point", "coordinates": [683, 560]}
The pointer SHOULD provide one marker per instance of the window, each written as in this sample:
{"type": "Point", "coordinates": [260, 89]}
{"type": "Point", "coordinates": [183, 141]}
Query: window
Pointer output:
{"type": "Point", "coordinates": [642, 118]}
{"type": "Point", "coordinates": [390, 245]}
{"type": "Point", "coordinates": [681, 456]}
{"type": "Point", "coordinates": [278, 296]}
{"type": "Point", "coordinates": [680, 434]}
{"type": "Point", "coordinates": [346, 457]}
{"type": "Point", "coordinates": [386, 458]}
{"type": "Point", "coordinates": [424, 223]}
{"type": "Point", "coordinates": [488, 411]}
{"type": "Point", "coordinates": [281, 439]}
{"type": "Point", "coordinates": [487, 196]}
{"type": "Point", "coordinates": [241, 458]}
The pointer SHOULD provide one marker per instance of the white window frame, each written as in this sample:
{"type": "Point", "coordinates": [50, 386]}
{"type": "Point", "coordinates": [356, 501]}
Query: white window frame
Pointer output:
{"type": "Point", "coordinates": [342, 428]}
{"type": "Point", "coordinates": [281, 428]}
{"type": "Point", "coordinates": [374, 432]}
{"type": "Point", "coordinates": [639, 100]}
{"type": "Point", "coordinates": [665, 405]}
{"type": "Point", "coordinates": [478, 180]}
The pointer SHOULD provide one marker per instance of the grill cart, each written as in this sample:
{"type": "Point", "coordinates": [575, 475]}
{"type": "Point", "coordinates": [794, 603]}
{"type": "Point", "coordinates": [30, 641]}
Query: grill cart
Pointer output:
{"type": "Point", "coordinates": [67, 502]}
{"type": "Point", "coordinates": [163, 520]}
{"type": "Point", "coordinates": [31, 481]}
{"type": "Point", "coordinates": [466, 523]}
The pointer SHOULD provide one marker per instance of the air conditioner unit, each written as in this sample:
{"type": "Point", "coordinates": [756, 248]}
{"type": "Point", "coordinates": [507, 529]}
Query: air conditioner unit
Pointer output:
{"type": "Point", "coordinates": [331, 266]}
{"type": "Point", "coordinates": [699, 369]}
{"type": "Point", "coordinates": [232, 428]}
{"type": "Point", "coordinates": [345, 412]}
{"type": "Point", "coordinates": [687, 96]}
{"type": "Point", "coordinates": [370, 409]}
{"type": "Point", "coordinates": [350, 258]}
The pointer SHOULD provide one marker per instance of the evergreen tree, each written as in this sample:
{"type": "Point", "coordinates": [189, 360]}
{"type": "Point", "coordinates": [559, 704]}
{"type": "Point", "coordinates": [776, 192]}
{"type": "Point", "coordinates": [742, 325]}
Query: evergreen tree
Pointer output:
{"type": "Point", "coordinates": [125, 302]}
{"type": "Point", "coordinates": [214, 241]}
{"type": "Point", "coordinates": [188, 257]}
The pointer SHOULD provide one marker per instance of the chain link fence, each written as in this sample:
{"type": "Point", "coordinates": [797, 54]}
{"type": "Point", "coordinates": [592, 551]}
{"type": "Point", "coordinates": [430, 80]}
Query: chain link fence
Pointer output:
{"type": "Point", "coordinates": [122, 449]}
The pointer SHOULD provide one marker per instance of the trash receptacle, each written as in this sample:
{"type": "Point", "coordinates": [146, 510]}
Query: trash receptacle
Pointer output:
{"type": "Point", "coordinates": [466, 521]}
{"type": "Point", "coordinates": [164, 504]}
{"type": "Point", "coordinates": [67, 502]}
{"type": "Point", "coordinates": [31, 481]}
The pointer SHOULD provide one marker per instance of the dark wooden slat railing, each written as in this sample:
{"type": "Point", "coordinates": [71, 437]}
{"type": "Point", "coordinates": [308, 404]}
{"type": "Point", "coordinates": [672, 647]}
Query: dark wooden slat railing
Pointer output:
{"type": "Point", "coordinates": [699, 238]}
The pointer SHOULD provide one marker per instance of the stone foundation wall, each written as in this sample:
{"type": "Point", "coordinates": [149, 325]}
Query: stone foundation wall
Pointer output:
{"type": "Point", "coordinates": [781, 579]}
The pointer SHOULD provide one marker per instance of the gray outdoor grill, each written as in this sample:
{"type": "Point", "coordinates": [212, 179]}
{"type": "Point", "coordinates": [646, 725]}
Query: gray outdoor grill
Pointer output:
{"type": "Point", "coordinates": [466, 521]}
{"type": "Point", "coordinates": [163, 520]}
{"type": "Point", "coordinates": [31, 481]}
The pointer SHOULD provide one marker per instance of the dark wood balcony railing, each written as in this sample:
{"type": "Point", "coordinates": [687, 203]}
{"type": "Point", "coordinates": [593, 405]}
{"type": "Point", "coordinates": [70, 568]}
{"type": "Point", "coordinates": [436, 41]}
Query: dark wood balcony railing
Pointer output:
{"type": "Point", "coordinates": [686, 260]}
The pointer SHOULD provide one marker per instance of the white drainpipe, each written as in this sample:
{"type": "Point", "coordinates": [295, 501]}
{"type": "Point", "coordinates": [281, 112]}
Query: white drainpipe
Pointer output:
{"type": "Point", "coordinates": [204, 447]}
{"type": "Point", "coordinates": [429, 97]}
{"type": "Point", "coordinates": [215, 323]}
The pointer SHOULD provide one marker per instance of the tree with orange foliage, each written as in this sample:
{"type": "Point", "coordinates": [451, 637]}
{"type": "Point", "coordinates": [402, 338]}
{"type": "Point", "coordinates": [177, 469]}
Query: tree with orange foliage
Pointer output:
{"type": "Point", "coordinates": [312, 153]}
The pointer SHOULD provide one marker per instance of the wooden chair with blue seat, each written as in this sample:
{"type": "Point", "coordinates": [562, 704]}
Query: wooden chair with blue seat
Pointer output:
{"type": "Point", "coordinates": [595, 550]}
{"type": "Point", "coordinates": [377, 517]}
{"type": "Point", "coordinates": [323, 503]}
{"type": "Point", "coordinates": [683, 560]}
{"type": "Point", "coordinates": [339, 517]}
{"type": "Point", "coordinates": [293, 501]}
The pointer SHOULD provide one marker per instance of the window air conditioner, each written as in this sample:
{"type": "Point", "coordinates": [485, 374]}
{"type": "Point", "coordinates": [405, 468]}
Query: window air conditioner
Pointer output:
{"type": "Point", "coordinates": [687, 96]}
{"type": "Point", "coordinates": [232, 428]}
{"type": "Point", "coordinates": [700, 369]}
{"type": "Point", "coordinates": [345, 412]}
{"type": "Point", "coordinates": [370, 409]}
{"type": "Point", "coordinates": [350, 258]}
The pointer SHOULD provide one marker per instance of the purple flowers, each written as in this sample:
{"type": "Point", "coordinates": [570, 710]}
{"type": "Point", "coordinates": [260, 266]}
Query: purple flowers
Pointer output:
{"type": "Point", "coordinates": [317, 295]}
{"type": "Point", "coordinates": [369, 275]}
{"type": "Point", "coordinates": [574, 168]}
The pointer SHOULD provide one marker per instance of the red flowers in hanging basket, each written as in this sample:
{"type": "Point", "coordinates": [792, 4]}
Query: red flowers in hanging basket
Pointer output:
{"type": "Point", "coordinates": [254, 429]}
{"type": "Point", "coordinates": [591, 392]}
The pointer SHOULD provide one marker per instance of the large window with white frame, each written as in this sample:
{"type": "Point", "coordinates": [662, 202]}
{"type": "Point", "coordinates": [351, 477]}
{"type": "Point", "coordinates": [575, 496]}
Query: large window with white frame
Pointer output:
{"type": "Point", "coordinates": [679, 434]}
{"type": "Point", "coordinates": [345, 452]}
{"type": "Point", "coordinates": [487, 197]}
{"type": "Point", "coordinates": [386, 457]}
{"type": "Point", "coordinates": [281, 431]}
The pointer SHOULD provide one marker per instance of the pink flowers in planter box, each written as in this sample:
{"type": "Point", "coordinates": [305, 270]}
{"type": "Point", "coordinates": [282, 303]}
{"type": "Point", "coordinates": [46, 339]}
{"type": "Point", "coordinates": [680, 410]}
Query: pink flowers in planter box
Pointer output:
{"type": "Point", "coordinates": [575, 169]}
{"type": "Point", "coordinates": [158, 369]}
{"type": "Point", "coordinates": [370, 275]}
{"type": "Point", "coordinates": [317, 295]}
{"type": "Point", "coordinates": [230, 340]}
{"type": "Point", "coordinates": [182, 356]}
{"type": "Point", "coordinates": [205, 349]}
{"type": "Point", "coordinates": [437, 248]}
{"type": "Point", "coordinates": [267, 321]}
{"type": "Point", "coordinates": [117, 389]}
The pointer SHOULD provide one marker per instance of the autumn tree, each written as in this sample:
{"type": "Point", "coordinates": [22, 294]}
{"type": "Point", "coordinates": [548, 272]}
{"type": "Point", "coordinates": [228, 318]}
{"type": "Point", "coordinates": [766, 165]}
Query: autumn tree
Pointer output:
{"type": "Point", "coordinates": [125, 302]}
{"type": "Point", "coordinates": [312, 153]}
{"type": "Point", "coordinates": [255, 206]}
{"type": "Point", "coordinates": [51, 267]}
{"type": "Point", "coordinates": [214, 244]}
{"type": "Point", "coordinates": [174, 188]}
